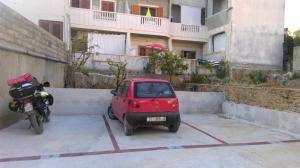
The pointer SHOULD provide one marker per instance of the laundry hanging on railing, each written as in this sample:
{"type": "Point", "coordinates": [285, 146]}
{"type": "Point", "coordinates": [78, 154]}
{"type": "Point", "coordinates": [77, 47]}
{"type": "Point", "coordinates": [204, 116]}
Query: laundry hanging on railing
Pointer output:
{"type": "Point", "coordinates": [213, 62]}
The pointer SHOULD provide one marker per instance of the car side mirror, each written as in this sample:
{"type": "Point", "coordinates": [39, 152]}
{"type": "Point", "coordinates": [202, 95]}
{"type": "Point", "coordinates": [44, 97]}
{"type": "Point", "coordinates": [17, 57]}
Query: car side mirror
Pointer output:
{"type": "Point", "coordinates": [113, 92]}
{"type": "Point", "coordinates": [46, 84]}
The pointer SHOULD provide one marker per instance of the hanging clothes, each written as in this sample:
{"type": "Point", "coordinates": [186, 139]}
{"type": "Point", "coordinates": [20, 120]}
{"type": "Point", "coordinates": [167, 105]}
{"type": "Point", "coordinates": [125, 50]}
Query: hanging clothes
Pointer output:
{"type": "Point", "coordinates": [148, 13]}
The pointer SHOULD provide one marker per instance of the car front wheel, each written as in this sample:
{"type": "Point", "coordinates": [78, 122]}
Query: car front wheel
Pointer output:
{"type": "Point", "coordinates": [110, 113]}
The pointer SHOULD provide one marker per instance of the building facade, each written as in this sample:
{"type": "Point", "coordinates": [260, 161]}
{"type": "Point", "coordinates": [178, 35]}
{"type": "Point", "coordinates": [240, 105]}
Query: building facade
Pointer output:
{"type": "Point", "coordinates": [242, 32]}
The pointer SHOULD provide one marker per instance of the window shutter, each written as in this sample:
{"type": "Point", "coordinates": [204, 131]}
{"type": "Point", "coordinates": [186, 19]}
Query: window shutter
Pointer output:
{"type": "Point", "coordinates": [160, 12]}
{"type": "Point", "coordinates": [85, 4]}
{"type": "Point", "coordinates": [57, 30]}
{"type": "Point", "coordinates": [45, 25]}
{"type": "Point", "coordinates": [203, 15]}
{"type": "Point", "coordinates": [111, 6]}
{"type": "Point", "coordinates": [104, 5]}
{"type": "Point", "coordinates": [135, 9]}
{"type": "Point", "coordinates": [75, 3]}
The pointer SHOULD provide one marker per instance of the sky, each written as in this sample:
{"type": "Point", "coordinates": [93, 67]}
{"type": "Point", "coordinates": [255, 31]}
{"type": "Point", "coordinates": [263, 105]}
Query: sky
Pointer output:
{"type": "Point", "coordinates": [292, 14]}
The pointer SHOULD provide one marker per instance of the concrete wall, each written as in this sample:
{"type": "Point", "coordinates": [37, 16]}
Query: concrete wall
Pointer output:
{"type": "Point", "coordinates": [257, 32]}
{"type": "Point", "coordinates": [296, 59]}
{"type": "Point", "coordinates": [284, 120]}
{"type": "Point", "coordinates": [96, 101]}
{"type": "Point", "coordinates": [25, 47]}
{"type": "Point", "coordinates": [79, 101]}
{"type": "Point", "coordinates": [200, 102]}
{"type": "Point", "coordinates": [179, 46]}
{"type": "Point", "coordinates": [35, 10]}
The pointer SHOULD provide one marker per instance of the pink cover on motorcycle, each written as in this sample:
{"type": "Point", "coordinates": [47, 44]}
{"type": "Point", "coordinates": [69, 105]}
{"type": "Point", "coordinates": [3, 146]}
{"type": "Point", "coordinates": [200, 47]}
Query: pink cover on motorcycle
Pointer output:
{"type": "Point", "coordinates": [22, 78]}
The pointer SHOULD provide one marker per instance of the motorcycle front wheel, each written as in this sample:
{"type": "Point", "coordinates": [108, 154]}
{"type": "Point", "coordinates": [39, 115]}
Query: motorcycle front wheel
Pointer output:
{"type": "Point", "coordinates": [36, 121]}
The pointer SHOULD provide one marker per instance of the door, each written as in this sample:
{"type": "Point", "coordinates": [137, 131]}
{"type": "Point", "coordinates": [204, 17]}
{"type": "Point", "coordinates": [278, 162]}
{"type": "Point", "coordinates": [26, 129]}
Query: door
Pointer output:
{"type": "Point", "coordinates": [120, 101]}
{"type": "Point", "coordinates": [108, 6]}
{"type": "Point", "coordinates": [123, 100]}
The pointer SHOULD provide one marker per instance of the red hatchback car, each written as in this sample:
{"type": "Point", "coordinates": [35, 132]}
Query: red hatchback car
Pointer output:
{"type": "Point", "coordinates": [145, 102]}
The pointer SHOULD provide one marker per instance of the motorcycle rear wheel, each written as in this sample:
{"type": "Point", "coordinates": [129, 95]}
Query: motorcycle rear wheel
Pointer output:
{"type": "Point", "coordinates": [36, 121]}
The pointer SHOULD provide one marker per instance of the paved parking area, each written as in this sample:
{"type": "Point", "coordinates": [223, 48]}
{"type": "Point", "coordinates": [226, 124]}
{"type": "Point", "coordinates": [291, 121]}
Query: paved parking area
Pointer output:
{"type": "Point", "coordinates": [203, 140]}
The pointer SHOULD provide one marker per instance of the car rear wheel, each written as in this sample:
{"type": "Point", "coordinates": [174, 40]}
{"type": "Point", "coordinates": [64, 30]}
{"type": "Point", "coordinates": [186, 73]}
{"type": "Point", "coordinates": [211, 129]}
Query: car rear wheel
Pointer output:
{"type": "Point", "coordinates": [128, 129]}
{"type": "Point", "coordinates": [110, 113]}
{"type": "Point", "coordinates": [173, 128]}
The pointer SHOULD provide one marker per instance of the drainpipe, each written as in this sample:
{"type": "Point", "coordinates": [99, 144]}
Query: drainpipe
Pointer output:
{"type": "Point", "coordinates": [170, 10]}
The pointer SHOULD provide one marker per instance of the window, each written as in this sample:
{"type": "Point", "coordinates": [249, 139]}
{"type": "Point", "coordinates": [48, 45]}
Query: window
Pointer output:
{"type": "Point", "coordinates": [189, 54]}
{"type": "Point", "coordinates": [53, 27]}
{"type": "Point", "coordinates": [146, 51]}
{"type": "Point", "coordinates": [108, 6]}
{"type": "Point", "coordinates": [80, 4]}
{"type": "Point", "coordinates": [123, 89]}
{"type": "Point", "coordinates": [153, 90]}
{"type": "Point", "coordinates": [219, 42]}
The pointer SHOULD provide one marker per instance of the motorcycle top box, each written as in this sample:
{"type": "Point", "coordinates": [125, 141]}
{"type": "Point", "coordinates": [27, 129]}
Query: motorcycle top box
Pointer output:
{"type": "Point", "coordinates": [21, 90]}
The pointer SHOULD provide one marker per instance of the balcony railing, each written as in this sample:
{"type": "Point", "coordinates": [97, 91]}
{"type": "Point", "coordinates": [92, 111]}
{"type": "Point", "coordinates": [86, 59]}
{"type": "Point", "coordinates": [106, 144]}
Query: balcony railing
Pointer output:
{"type": "Point", "coordinates": [121, 22]}
{"type": "Point", "coordinates": [189, 32]}
{"type": "Point", "coordinates": [109, 16]}
{"type": "Point", "coordinates": [217, 20]}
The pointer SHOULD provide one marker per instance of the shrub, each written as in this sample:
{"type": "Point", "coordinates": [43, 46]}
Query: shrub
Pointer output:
{"type": "Point", "coordinates": [199, 78]}
{"type": "Point", "coordinates": [222, 71]}
{"type": "Point", "coordinates": [167, 62]}
{"type": "Point", "coordinates": [258, 77]}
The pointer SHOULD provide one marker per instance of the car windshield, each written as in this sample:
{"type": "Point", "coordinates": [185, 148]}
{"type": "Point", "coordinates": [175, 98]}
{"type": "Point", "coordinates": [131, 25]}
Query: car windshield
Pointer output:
{"type": "Point", "coordinates": [153, 90]}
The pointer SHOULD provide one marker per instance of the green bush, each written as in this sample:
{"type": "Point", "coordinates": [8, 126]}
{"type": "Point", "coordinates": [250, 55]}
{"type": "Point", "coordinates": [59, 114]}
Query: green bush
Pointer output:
{"type": "Point", "coordinates": [199, 78]}
{"type": "Point", "coordinates": [222, 71]}
{"type": "Point", "coordinates": [258, 77]}
{"type": "Point", "coordinates": [168, 63]}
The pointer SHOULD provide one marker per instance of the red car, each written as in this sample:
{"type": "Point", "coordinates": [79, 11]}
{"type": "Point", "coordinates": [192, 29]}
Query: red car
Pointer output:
{"type": "Point", "coordinates": [145, 102]}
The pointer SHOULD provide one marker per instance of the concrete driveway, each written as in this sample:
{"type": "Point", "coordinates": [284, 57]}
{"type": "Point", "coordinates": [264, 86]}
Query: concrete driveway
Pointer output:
{"type": "Point", "coordinates": [203, 140]}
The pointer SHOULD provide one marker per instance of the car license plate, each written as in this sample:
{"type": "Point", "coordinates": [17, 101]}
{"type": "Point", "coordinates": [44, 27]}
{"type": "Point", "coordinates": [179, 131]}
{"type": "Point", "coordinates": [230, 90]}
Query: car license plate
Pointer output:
{"type": "Point", "coordinates": [156, 119]}
{"type": "Point", "coordinates": [28, 107]}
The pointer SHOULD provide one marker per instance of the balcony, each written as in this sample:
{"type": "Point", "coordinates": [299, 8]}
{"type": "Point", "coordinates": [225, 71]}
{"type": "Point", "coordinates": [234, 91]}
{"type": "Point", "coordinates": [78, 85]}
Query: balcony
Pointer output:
{"type": "Point", "coordinates": [121, 22]}
{"type": "Point", "coordinates": [188, 32]}
{"type": "Point", "coordinates": [217, 20]}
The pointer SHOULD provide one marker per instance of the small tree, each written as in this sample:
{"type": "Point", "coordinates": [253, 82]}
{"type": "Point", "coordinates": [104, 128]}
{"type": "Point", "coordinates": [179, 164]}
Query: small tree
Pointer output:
{"type": "Point", "coordinates": [77, 57]}
{"type": "Point", "coordinates": [119, 70]}
{"type": "Point", "coordinates": [168, 63]}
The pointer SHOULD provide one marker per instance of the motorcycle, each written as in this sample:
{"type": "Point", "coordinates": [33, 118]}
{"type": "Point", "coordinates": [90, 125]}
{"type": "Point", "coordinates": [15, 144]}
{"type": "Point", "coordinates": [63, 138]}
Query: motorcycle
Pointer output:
{"type": "Point", "coordinates": [31, 100]}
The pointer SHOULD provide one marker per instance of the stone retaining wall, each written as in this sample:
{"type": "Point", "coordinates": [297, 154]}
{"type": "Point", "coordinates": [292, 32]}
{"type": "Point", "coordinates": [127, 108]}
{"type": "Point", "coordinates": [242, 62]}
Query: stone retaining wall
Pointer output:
{"type": "Point", "coordinates": [25, 47]}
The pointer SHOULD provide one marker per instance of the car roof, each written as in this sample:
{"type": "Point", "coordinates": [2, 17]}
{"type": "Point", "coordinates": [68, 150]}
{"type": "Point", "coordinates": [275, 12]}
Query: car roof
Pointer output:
{"type": "Point", "coordinates": [145, 80]}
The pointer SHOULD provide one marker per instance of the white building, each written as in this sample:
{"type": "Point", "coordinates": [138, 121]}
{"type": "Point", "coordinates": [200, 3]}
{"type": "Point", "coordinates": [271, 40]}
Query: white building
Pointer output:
{"type": "Point", "coordinates": [243, 32]}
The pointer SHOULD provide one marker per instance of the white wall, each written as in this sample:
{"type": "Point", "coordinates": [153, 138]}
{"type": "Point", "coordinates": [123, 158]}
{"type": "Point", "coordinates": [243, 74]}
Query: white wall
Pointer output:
{"type": "Point", "coordinates": [35, 10]}
{"type": "Point", "coordinates": [257, 32]}
{"type": "Point", "coordinates": [190, 15]}
{"type": "Point", "coordinates": [107, 43]}
{"type": "Point", "coordinates": [96, 101]}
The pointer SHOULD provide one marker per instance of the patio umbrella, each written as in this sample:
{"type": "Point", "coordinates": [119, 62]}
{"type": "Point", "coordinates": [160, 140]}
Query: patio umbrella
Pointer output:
{"type": "Point", "coordinates": [156, 47]}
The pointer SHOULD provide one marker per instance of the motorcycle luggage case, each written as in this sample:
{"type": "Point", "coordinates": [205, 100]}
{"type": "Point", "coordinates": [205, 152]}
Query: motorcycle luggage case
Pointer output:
{"type": "Point", "coordinates": [21, 90]}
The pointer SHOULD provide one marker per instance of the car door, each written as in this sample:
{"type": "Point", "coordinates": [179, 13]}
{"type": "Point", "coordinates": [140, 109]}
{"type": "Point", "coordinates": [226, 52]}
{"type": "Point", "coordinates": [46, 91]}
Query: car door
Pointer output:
{"type": "Point", "coordinates": [116, 101]}
{"type": "Point", "coordinates": [123, 100]}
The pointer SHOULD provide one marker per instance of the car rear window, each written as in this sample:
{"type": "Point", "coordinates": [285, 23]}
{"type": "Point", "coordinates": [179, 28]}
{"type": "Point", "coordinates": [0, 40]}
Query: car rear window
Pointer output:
{"type": "Point", "coordinates": [153, 90]}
